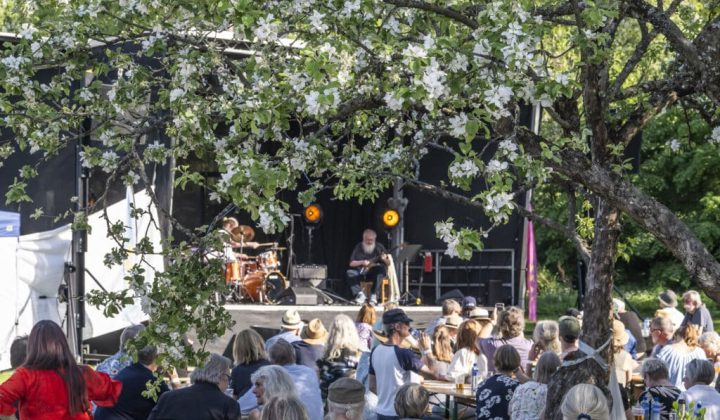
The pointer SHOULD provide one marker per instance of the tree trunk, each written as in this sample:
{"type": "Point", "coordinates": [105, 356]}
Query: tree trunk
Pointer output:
{"type": "Point", "coordinates": [646, 211]}
{"type": "Point", "coordinates": [596, 318]}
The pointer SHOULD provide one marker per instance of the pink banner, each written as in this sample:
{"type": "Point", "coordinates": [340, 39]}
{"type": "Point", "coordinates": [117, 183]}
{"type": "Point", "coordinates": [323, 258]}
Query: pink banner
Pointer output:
{"type": "Point", "coordinates": [531, 271]}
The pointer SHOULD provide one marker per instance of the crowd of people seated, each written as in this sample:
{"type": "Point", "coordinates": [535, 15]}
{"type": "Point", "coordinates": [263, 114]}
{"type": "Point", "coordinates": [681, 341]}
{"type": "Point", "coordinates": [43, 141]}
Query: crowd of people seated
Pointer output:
{"type": "Point", "coordinates": [374, 367]}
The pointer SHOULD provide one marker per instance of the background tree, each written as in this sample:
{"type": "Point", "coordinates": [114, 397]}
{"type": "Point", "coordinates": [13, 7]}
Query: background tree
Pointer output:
{"type": "Point", "coordinates": [351, 94]}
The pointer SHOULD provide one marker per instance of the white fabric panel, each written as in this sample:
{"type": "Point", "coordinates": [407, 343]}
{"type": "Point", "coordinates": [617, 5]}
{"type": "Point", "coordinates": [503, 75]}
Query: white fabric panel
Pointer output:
{"type": "Point", "coordinates": [112, 279]}
{"type": "Point", "coordinates": [12, 297]}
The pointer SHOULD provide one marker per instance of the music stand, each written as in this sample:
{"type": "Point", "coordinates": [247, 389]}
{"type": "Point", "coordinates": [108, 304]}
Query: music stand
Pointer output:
{"type": "Point", "coordinates": [407, 253]}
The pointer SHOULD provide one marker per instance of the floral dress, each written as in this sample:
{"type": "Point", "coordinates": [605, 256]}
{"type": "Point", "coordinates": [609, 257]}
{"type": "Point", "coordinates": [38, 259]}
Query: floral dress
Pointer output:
{"type": "Point", "coordinates": [528, 401]}
{"type": "Point", "coordinates": [493, 397]}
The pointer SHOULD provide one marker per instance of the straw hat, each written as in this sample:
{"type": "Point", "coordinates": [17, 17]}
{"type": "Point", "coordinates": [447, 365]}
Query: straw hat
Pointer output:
{"type": "Point", "coordinates": [668, 298]}
{"type": "Point", "coordinates": [346, 391]}
{"type": "Point", "coordinates": [453, 321]}
{"type": "Point", "coordinates": [620, 336]}
{"type": "Point", "coordinates": [291, 320]}
{"type": "Point", "coordinates": [479, 314]}
{"type": "Point", "coordinates": [315, 332]}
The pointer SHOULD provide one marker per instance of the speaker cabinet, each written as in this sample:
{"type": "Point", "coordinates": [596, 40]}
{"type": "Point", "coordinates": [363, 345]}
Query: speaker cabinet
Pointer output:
{"type": "Point", "coordinates": [297, 295]}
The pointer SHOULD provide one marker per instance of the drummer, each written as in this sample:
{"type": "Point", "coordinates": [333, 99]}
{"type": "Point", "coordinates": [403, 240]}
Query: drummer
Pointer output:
{"type": "Point", "coordinates": [234, 237]}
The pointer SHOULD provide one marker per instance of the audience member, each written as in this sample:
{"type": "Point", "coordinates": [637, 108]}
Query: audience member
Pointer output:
{"type": "Point", "coordinates": [249, 353]}
{"type": "Point", "coordinates": [452, 323]}
{"type": "Point", "coordinates": [661, 334]}
{"type": "Point", "coordinates": [622, 360]}
{"type": "Point", "coordinates": [120, 360]}
{"type": "Point", "coordinates": [698, 376]}
{"type": "Point", "coordinates": [545, 338]}
{"type": "Point", "coordinates": [342, 353]}
{"type": "Point", "coordinates": [390, 365]}
{"type": "Point", "coordinates": [305, 378]}
{"type": "Point", "coordinates": [346, 400]}
{"type": "Point", "coordinates": [269, 382]}
{"type": "Point", "coordinates": [528, 400]}
{"type": "Point", "coordinates": [632, 322]}
{"type": "Point", "coordinates": [511, 326]}
{"type": "Point", "coordinates": [587, 400]}
{"type": "Point", "coordinates": [284, 407]}
{"type": "Point", "coordinates": [449, 307]}
{"type": "Point", "coordinates": [411, 402]}
{"type": "Point", "coordinates": [696, 313]}
{"type": "Point", "coordinates": [132, 404]}
{"type": "Point", "coordinates": [42, 393]}
{"type": "Point", "coordinates": [480, 314]}
{"type": "Point", "coordinates": [311, 347]}
{"type": "Point", "coordinates": [658, 387]}
{"type": "Point", "coordinates": [570, 328]}
{"type": "Point", "coordinates": [204, 399]}
{"type": "Point", "coordinates": [494, 394]}
{"type": "Point", "coordinates": [442, 348]}
{"type": "Point", "coordinates": [678, 354]}
{"type": "Point", "coordinates": [668, 308]}
{"type": "Point", "coordinates": [575, 313]}
{"type": "Point", "coordinates": [18, 351]}
{"type": "Point", "coordinates": [291, 328]}
{"type": "Point", "coordinates": [364, 322]}
{"type": "Point", "coordinates": [467, 352]}
{"type": "Point", "coordinates": [710, 343]}
{"type": "Point", "coordinates": [468, 304]}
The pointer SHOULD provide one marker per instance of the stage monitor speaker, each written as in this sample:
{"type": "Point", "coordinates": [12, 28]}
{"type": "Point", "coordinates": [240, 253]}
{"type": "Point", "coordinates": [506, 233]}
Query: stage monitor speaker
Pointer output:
{"type": "Point", "coordinates": [297, 295]}
{"type": "Point", "coordinates": [453, 294]}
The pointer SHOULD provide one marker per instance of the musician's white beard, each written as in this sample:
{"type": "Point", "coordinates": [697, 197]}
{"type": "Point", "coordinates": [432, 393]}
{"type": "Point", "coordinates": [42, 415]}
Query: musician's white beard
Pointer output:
{"type": "Point", "coordinates": [368, 249]}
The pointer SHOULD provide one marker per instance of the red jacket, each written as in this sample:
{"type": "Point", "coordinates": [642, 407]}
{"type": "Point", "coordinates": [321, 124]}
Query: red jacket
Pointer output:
{"type": "Point", "coordinates": [42, 394]}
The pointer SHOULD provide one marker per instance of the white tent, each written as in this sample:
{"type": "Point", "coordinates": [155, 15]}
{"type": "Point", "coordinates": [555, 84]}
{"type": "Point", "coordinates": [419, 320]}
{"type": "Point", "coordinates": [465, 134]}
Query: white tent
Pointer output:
{"type": "Point", "coordinates": [34, 265]}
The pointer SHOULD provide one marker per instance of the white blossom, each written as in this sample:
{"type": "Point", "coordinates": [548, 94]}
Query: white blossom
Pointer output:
{"type": "Point", "coordinates": [86, 95]}
{"type": "Point", "coordinates": [266, 30]}
{"type": "Point", "coordinates": [496, 166]}
{"type": "Point", "coordinates": [498, 96]}
{"type": "Point", "coordinates": [674, 145]}
{"type": "Point", "coordinates": [494, 204]}
{"type": "Point", "coordinates": [393, 101]}
{"type": "Point", "coordinates": [562, 79]}
{"type": "Point", "coordinates": [715, 135]}
{"type": "Point", "coordinates": [13, 63]}
{"type": "Point", "coordinates": [350, 7]}
{"type": "Point", "coordinates": [509, 149]}
{"type": "Point", "coordinates": [433, 80]}
{"type": "Point", "coordinates": [457, 125]}
{"type": "Point", "coordinates": [459, 63]}
{"type": "Point", "coordinates": [481, 50]}
{"type": "Point", "coordinates": [392, 24]}
{"type": "Point", "coordinates": [414, 51]}
{"type": "Point", "coordinates": [316, 20]}
{"type": "Point", "coordinates": [27, 31]}
{"type": "Point", "coordinates": [176, 93]}
{"type": "Point", "coordinates": [463, 169]}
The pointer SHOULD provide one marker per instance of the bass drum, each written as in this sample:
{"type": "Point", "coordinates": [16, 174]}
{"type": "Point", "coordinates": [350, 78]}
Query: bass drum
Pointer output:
{"type": "Point", "coordinates": [251, 287]}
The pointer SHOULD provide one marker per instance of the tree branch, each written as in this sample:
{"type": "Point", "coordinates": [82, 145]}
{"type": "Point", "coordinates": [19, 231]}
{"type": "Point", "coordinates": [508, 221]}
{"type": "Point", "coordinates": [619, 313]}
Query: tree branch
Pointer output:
{"type": "Point", "coordinates": [443, 11]}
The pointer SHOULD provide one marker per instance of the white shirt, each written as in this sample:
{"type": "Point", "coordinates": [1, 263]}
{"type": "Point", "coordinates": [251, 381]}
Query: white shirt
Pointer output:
{"type": "Point", "coordinates": [462, 363]}
{"type": "Point", "coordinates": [707, 396]}
{"type": "Point", "coordinates": [393, 367]}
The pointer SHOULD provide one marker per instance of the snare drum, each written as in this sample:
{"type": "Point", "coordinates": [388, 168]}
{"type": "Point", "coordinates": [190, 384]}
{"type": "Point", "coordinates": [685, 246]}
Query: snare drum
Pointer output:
{"type": "Point", "coordinates": [269, 261]}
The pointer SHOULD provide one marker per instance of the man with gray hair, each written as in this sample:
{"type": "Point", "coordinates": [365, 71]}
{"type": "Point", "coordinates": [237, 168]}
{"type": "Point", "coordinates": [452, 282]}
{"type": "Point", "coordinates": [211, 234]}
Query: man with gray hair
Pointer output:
{"type": "Point", "coordinates": [205, 399]}
{"type": "Point", "coordinates": [699, 373]}
{"type": "Point", "coordinates": [656, 377]}
{"type": "Point", "coordinates": [696, 313]}
{"type": "Point", "coordinates": [449, 307]}
{"type": "Point", "coordinates": [120, 360]}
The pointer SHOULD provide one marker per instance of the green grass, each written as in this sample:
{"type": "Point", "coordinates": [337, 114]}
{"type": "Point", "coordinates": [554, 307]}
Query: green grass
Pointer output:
{"type": "Point", "coordinates": [5, 375]}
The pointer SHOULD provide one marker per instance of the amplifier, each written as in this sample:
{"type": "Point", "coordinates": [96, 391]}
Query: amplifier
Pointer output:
{"type": "Point", "coordinates": [308, 271]}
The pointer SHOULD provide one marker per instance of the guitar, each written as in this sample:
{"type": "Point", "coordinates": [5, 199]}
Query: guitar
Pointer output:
{"type": "Point", "coordinates": [374, 261]}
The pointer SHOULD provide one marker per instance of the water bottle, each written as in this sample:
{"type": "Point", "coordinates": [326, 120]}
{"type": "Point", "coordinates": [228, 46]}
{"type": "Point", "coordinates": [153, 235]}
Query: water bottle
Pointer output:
{"type": "Point", "coordinates": [474, 377]}
{"type": "Point", "coordinates": [682, 408]}
{"type": "Point", "coordinates": [655, 410]}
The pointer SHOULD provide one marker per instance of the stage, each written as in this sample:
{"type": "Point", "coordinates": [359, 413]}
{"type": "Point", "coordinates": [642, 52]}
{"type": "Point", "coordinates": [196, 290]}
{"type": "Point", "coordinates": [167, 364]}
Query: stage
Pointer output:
{"type": "Point", "coordinates": [268, 317]}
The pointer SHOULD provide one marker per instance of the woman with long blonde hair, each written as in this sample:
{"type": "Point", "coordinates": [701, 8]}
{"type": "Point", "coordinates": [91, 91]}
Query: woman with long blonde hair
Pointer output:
{"type": "Point", "coordinates": [342, 353]}
{"type": "Point", "coordinates": [442, 350]}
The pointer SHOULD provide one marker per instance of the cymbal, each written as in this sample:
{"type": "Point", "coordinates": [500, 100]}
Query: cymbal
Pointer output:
{"type": "Point", "coordinates": [242, 233]}
{"type": "Point", "coordinates": [279, 248]}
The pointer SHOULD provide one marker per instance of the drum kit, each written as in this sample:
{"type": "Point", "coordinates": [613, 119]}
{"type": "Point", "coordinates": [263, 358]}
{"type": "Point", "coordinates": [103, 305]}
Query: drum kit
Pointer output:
{"type": "Point", "coordinates": [254, 279]}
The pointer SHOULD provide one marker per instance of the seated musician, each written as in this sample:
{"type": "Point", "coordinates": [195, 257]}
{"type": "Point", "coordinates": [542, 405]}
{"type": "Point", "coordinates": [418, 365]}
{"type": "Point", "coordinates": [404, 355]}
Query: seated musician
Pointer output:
{"type": "Point", "coordinates": [368, 262]}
